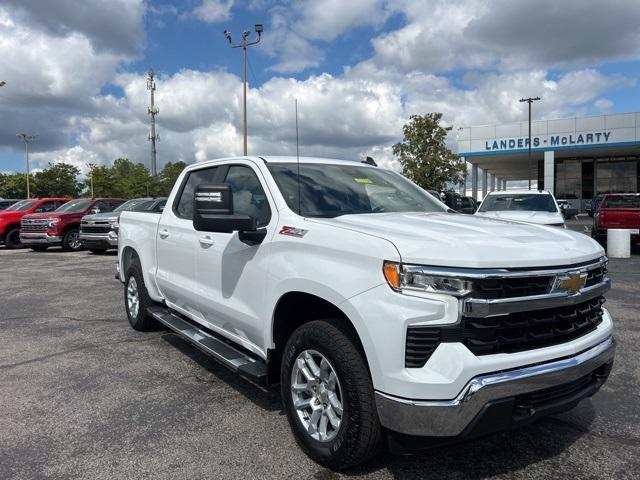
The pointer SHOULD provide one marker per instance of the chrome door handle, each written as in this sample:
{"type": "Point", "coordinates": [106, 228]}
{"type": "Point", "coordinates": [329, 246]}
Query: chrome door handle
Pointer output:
{"type": "Point", "coordinates": [206, 241]}
{"type": "Point", "coordinates": [163, 233]}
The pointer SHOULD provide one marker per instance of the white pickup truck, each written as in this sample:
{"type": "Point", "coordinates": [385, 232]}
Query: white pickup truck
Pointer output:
{"type": "Point", "coordinates": [386, 318]}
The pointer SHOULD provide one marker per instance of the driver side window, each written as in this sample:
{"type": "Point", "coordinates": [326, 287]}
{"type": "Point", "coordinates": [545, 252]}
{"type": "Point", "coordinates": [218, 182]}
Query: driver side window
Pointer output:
{"type": "Point", "coordinates": [249, 197]}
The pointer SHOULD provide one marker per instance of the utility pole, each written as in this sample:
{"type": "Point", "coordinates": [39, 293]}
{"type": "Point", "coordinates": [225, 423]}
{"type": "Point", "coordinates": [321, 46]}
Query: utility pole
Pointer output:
{"type": "Point", "coordinates": [153, 111]}
{"type": "Point", "coordinates": [244, 44]}
{"type": "Point", "coordinates": [529, 100]}
{"type": "Point", "coordinates": [26, 138]}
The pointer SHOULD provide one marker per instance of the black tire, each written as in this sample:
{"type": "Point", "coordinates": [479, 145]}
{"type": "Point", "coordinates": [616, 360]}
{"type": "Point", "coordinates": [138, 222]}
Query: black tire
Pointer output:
{"type": "Point", "coordinates": [140, 321]}
{"type": "Point", "coordinates": [97, 251]}
{"type": "Point", "coordinates": [39, 248]}
{"type": "Point", "coordinates": [12, 239]}
{"type": "Point", "coordinates": [359, 436]}
{"type": "Point", "coordinates": [71, 241]}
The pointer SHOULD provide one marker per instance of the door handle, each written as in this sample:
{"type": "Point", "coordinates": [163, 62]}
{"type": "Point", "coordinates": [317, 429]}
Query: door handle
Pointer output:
{"type": "Point", "coordinates": [164, 233]}
{"type": "Point", "coordinates": [206, 241]}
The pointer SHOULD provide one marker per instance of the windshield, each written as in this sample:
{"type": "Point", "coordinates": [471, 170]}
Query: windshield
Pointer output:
{"type": "Point", "coordinates": [21, 206]}
{"type": "Point", "coordinates": [526, 202]}
{"type": "Point", "coordinates": [75, 206]}
{"type": "Point", "coordinates": [622, 201]}
{"type": "Point", "coordinates": [330, 190]}
{"type": "Point", "coordinates": [135, 205]}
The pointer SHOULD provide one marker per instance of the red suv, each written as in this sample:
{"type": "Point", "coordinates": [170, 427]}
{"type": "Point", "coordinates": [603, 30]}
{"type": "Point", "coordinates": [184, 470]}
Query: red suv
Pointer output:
{"type": "Point", "coordinates": [40, 231]}
{"type": "Point", "coordinates": [10, 218]}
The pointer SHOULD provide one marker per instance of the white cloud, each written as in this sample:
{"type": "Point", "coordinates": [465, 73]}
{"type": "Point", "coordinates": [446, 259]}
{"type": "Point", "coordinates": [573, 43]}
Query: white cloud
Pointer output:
{"type": "Point", "coordinates": [213, 11]}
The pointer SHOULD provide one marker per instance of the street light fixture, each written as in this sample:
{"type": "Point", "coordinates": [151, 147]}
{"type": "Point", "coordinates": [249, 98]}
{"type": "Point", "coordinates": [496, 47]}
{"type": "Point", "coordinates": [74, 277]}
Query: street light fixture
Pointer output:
{"type": "Point", "coordinates": [26, 138]}
{"type": "Point", "coordinates": [529, 100]}
{"type": "Point", "coordinates": [244, 44]}
{"type": "Point", "coordinates": [2, 83]}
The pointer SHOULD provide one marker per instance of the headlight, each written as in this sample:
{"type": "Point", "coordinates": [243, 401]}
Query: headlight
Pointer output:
{"type": "Point", "coordinates": [53, 222]}
{"type": "Point", "coordinates": [417, 278]}
{"type": "Point", "coordinates": [114, 224]}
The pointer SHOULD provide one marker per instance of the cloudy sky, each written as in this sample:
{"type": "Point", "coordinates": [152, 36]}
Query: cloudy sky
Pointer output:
{"type": "Point", "coordinates": [75, 72]}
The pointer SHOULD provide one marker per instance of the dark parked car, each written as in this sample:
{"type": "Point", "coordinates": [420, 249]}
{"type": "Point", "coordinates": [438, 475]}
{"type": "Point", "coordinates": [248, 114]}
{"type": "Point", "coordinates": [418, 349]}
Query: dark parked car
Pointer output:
{"type": "Point", "coordinates": [6, 203]}
{"type": "Point", "coordinates": [469, 205]}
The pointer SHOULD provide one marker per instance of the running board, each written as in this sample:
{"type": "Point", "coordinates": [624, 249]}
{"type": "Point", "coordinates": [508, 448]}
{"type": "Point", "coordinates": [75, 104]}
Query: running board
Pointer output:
{"type": "Point", "coordinates": [247, 366]}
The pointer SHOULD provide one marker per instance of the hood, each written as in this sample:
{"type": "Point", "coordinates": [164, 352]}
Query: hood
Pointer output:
{"type": "Point", "coordinates": [104, 216]}
{"type": "Point", "coordinates": [458, 240]}
{"type": "Point", "coordinates": [10, 214]}
{"type": "Point", "coordinates": [53, 215]}
{"type": "Point", "coordinates": [540, 218]}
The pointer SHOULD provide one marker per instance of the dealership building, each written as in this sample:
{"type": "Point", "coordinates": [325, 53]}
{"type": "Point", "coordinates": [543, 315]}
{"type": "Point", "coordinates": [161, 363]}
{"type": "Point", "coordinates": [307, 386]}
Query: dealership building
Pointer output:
{"type": "Point", "coordinates": [575, 158]}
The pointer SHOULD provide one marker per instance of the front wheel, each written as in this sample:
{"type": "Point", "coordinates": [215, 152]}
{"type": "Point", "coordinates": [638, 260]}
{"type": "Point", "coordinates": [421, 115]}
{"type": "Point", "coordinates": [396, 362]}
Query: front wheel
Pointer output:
{"type": "Point", "coordinates": [71, 241]}
{"type": "Point", "coordinates": [328, 395]}
{"type": "Point", "coordinates": [137, 300]}
{"type": "Point", "coordinates": [12, 239]}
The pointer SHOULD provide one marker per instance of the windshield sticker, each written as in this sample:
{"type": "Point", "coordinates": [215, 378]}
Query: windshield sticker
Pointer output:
{"type": "Point", "coordinates": [293, 231]}
{"type": "Point", "coordinates": [362, 180]}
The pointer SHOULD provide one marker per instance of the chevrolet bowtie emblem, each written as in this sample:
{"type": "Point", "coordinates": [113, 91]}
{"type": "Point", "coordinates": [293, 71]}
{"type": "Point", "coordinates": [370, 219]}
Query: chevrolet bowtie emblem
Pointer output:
{"type": "Point", "coordinates": [571, 282]}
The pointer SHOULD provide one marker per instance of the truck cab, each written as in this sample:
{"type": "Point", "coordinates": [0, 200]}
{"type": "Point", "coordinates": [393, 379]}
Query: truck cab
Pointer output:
{"type": "Point", "coordinates": [61, 227]}
{"type": "Point", "coordinates": [617, 210]}
{"type": "Point", "coordinates": [11, 216]}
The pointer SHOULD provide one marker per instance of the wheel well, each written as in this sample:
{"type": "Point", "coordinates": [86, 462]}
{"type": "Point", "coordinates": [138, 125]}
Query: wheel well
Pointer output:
{"type": "Point", "coordinates": [295, 309]}
{"type": "Point", "coordinates": [128, 256]}
{"type": "Point", "coordinates": [11, 226]}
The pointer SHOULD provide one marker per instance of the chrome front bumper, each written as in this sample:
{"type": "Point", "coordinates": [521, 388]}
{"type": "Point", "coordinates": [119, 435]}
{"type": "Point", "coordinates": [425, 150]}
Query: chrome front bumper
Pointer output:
{"type": "Point", "coordinates": [449, 418]}
{"type": "Point", "coordinates": [110, 238]}
{"type": "Point", "coordinates": [39, 238]}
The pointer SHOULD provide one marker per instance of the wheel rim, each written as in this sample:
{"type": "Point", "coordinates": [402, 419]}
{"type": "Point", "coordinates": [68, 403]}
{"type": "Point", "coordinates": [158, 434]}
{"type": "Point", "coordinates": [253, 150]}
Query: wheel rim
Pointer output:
{"type": "Point", "coordinates": [133, 301]}
{"type": "Point", "coordinates": [74, 240]}
{"type": "Point", "coordinates": [316, 395]}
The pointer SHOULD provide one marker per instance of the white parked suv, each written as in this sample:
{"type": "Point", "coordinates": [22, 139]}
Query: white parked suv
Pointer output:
{"type": "Point", "coordinates": [386, 318]}
{"type": "Point", "coordinates": [531, 206]}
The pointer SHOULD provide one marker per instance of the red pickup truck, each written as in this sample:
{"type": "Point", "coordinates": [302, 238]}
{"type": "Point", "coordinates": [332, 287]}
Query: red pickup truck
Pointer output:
{"type": "Point", "coordinates": [40, 231]}
{"type": "Point", "coordinates": [617, 210]}
{"type": "Point", "coordinates": [10, 218]}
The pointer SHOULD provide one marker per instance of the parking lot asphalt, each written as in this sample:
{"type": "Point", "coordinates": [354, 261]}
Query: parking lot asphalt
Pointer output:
{"type": "Point", "coordinates": [82, 395]}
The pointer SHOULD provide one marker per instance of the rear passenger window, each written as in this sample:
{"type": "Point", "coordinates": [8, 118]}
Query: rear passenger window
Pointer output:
{"type": "Point", "coordinates": [248, 195]}
{"type": "Point", "coordinates": [184, 206]}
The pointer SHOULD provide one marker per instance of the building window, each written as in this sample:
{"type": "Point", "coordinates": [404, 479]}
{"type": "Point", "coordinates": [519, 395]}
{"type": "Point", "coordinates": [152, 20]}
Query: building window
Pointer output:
{"type": "Point", "coordinates": [616, 176]}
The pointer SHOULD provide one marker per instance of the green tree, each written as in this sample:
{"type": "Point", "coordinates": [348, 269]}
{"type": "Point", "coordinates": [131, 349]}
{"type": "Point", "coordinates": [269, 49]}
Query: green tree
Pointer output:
{"type": "Point", "coordinates": [167, 178]}
{"type": "Point", "coordinates": [14, 185]}
{"type": "Point", "coordinates": [57, 180]}
{"type": "Point", "coordinates": [424, 157]}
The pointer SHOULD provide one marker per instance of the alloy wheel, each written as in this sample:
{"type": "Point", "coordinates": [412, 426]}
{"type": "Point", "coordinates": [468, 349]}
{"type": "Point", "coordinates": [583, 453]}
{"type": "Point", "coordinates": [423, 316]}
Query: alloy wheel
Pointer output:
{"type": "Point", "coordinates": [133, 299]}
{"type": "Point", "coordinates": [317, 395]}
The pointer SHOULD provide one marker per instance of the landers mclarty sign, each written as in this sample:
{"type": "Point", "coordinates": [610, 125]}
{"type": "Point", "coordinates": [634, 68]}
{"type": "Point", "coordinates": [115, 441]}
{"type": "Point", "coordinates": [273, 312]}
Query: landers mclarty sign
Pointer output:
{"type": "Point", "coordinates": [571, 139]}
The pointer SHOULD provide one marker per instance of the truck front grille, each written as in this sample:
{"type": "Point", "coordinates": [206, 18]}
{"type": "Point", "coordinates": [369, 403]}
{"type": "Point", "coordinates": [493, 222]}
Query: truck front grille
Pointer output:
{"type": "Point", "coordinates": [35, 225]}
{"type": "Point", "coordinates": [493, 288]}
{"type": "Point", "coordinates": [95, 228]}
{"type": "Point", "coordinates": [515, 332]}
{"type": "Point", "coordinates": [521, 331]}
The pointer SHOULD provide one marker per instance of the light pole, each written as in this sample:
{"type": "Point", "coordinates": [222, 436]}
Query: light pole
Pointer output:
{"type": "Point", "coordinates": [26, 138]}
{"type": "Point", "coordinates": [244, 43]}
{"type": "Point", "coordinates": [153, 111]}
{"type": "Point", "coordinates": [91, 165]}
{"type": "Point", "coordinates": [529, 100]}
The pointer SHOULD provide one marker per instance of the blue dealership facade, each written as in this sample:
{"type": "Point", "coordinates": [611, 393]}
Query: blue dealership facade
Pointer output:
{"type": "Point", "coordinates": [575, 158]}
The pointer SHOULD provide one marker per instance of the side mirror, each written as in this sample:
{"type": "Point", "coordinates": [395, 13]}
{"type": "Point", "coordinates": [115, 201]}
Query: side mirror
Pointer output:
{"type": "Point", "coordinates": [213, 211]}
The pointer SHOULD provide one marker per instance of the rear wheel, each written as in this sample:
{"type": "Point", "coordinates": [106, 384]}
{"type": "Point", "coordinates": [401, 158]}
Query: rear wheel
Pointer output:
{"type": "Point", "coordinates": [137, 300]}
{"type": "Point", "coordinates": [12, 239]}
{"type": "Point", "coordinates": [328, 396]}
{"type": "Point", "coordinates": [38, 248]}
{"type": "Point", "coordinates": [71, 240]}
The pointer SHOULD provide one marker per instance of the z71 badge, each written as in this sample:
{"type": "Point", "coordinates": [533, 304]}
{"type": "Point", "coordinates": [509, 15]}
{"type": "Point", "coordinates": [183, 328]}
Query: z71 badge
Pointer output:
{"type": "Point", "coordinates": [293, 231]}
